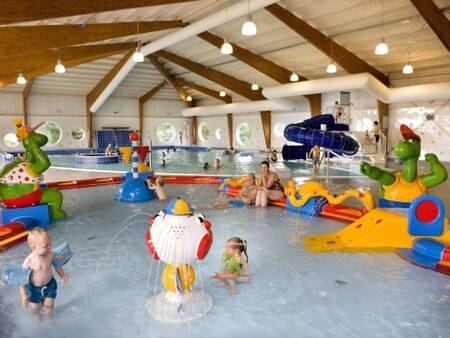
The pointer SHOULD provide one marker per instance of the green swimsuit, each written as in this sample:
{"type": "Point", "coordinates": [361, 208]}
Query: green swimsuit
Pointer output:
{"type": "Point", "coordinates": [233, 263]}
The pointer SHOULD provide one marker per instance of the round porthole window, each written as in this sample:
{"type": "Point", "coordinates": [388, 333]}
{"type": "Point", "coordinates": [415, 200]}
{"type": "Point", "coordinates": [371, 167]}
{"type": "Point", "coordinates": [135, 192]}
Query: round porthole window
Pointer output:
{"type": "Point", "coordinates": [166, 132]}
{"type": "Point", "coordinates": [203, 131]}
{"type": "Point", "coordinates": [219, 133]}
{"type": "Point", "coordinates": [78, 134]}
{"type": "Point", "coordinates": [278, 129]}
{"type": "Point", "coordinates": [243, 134]}
{"type": "Point", "coordinates": [11, 140]}
{"type": "Point", "coordinates": [52, 131]}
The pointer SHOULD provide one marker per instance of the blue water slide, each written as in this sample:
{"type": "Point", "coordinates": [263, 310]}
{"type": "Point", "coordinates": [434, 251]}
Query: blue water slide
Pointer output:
{"type": "Point", "coordinates": [308, 134]}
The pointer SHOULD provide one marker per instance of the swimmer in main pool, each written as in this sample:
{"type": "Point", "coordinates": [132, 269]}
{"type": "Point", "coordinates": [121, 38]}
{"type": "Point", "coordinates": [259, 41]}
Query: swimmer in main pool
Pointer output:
{"type": "Point", "coordinates": [162, 163]}
{"type": "Point", "coordinates": [217, 164]}
{"type": "Point", "coordinates": [234, 264]}
{"type": "Point", "coordinates": [158, 186]}
{"type": "Point", "coordinates": [206, 166]}
{"type": "Point", "coordinates": [41, 289]}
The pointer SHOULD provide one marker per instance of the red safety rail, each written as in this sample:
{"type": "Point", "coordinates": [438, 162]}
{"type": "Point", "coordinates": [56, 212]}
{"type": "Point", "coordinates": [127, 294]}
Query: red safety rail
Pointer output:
{"type": "Point", "coordinates": [11, 234]}
{"type": "Point", "coordinates": [90, 182]}
{"type": "Point", "coordinates": [192, 179]}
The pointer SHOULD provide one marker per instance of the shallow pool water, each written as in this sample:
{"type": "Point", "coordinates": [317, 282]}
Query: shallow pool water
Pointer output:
{"type": "Point", "coordinates": [292, 293]}
{"type": "Point", "coordinates": [191, 162]}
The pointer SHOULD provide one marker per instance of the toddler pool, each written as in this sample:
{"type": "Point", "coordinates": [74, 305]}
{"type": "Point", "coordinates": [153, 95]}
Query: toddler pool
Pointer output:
{"type": "Point", "coordinates": [191, 162]}
{"type": "Point", "coordinates": [292, 293]}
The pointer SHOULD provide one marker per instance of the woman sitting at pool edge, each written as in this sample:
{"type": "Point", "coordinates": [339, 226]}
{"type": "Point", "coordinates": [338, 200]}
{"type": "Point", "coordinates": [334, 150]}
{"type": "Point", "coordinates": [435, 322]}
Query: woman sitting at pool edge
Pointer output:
{"type": "Point", "coordinates": [270, 186]}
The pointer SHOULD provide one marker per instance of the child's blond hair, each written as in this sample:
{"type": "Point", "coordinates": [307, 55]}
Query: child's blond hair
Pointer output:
{"type": "Point", "coordinates": [160, 180]}
{"type": "Point", "coordinates": [36, 233]}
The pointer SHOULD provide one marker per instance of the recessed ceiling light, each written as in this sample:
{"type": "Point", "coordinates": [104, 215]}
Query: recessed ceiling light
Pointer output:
{"type": "Point", "coordinates": [406, 21]}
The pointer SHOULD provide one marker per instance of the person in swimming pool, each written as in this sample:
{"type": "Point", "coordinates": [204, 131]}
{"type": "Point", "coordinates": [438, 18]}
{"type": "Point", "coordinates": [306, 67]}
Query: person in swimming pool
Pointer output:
{"type": "Point", "coordinates": [270, 187]}
{"type": "Point", "coordinates": [41, 289]}
{"type": "Point", "coordinates": [158, 186]}
{"type": "Point", "coordinates": [109, 150]}
{"type": "Point", "coordinates": [234, 264]}
{"type": "Point", "coordinates": [314, 155]}
{"type": "Point", "coordinates": [246, 195]}
{"type": "Point", "coordinates": [206, 166]}
{"type": "Point", "coordinates": [216, 163]}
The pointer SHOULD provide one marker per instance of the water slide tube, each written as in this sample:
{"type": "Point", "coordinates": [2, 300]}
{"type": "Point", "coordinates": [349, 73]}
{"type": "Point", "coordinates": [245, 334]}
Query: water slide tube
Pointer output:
{"type": "Point", "coordinates": [308, 133]}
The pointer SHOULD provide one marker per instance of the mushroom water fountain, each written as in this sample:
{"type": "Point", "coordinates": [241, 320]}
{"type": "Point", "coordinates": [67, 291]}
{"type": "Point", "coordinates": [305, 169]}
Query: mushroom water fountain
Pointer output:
{"type": "Point", "coordinates": [178, 236]}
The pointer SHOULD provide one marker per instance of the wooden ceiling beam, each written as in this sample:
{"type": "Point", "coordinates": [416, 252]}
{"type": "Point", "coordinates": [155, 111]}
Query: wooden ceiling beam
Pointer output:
{"type": "Point", "coordinates": [171, 79]}
{"type": "Point", "coordinates": [265, 66]}
{"type": "Point", "coordinates": [100, 87]}
{"type": "Point", "coordinates": [346, 59]}
{"type": "Point", "coordinates": [238, 86]}
{"type": "Point", "coordinates": [57, 36]}
{"type": "Point", "coordinates": [29, 62]}
{"type": "Point", "coordinates": [436, 19]}
{"type": "Point", "coordinates": [147, 96]}
{"type": "Point", "coordinates": [204, 90]}
{"type": "Point", "coordinates": [12, 11]}
{"type": "Point", "coordinates": [10, 78]}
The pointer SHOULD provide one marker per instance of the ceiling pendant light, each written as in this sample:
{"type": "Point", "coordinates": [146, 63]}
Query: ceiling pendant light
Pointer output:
{"type": "Point", "coordinates": [249, 27]}
{"type": "Point", "coordinates": [222, 93]}
{"type": "Point", "coordinates": [226, 48]}
{"type": "Point", "coordinates": [137, 55]}
{"type": "Point", "coordinates": [189, 98]}
{"type": "Point", "coordinates": [59, 68]}
{"type": "Point", "coordinates": [382, 48]}
{"type": "Point", "coordinates": [255, 86]}
{"type": "Point", "coordinates": [331, 68]}
{"type": "Point", "coordinates": [21, 79]}
{"type": "Point", "coordinates": [294, 77]}
{"type": "Point", "coordinates": [408, 69]}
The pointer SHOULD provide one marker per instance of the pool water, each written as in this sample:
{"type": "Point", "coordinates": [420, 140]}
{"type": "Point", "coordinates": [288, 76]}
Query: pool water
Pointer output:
{"type": "Point", "coordinates": [191, 162]}
{"type": "Point", "coordinates": [291, 293]}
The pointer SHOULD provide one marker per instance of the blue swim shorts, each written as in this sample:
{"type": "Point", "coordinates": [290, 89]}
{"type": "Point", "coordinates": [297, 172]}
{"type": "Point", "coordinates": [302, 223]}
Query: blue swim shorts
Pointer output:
{"type": "Point", "coordinates": [38, 293]}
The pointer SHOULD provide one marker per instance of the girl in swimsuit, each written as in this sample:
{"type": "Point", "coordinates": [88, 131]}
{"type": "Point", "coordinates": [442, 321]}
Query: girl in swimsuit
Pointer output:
{"type": "Point", "coordinates": [234, 264]}
{"type": "Point", "coordinates": [270, 187]}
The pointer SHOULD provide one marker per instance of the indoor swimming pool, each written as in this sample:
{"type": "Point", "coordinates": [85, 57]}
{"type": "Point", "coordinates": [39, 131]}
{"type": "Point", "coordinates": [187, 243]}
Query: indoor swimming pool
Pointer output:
{"type": "Point", "coordinates": [291, 293]}
{"type": "Point", "coordinates": [191, 162]}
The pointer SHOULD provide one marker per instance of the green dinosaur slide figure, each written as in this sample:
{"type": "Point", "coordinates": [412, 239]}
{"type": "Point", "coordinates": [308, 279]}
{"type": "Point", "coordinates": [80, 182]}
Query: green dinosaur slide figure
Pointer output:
{"type": "Point", "coordinates": [19, 180]}
{"type": "Point", "coordinates": [400, 188]}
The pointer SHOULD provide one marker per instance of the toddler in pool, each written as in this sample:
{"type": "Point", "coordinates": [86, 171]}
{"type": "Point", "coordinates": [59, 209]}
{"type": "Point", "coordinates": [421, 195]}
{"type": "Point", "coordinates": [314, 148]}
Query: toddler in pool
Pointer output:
{"type": "Point", "coordinates": [158, 186]}
{"type": "Point", "coordinates": [41, 288]}
{"type": "Point", "coordinates": [234, 264]}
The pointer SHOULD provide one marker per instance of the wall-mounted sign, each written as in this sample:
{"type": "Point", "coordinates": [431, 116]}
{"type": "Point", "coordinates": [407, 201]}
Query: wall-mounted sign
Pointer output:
{"type": "Point", "coordinates": [345, 99]}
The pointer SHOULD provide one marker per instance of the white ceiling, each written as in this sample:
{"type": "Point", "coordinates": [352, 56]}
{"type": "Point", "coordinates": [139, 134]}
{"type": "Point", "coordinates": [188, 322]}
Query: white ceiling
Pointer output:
{"type": "Point", "coordinates": [355, 24]}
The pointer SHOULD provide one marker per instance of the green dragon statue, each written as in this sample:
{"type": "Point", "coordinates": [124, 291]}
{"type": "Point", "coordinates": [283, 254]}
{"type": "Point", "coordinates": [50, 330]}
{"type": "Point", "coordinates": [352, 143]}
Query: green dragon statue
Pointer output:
{"type": "Point", "coordinates": [19, 180]}
{"type": "Point", "coordinates": [399, 189]}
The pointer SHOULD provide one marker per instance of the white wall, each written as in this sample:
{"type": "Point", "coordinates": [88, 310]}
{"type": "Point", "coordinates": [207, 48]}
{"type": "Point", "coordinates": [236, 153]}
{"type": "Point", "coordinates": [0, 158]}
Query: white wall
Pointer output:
{"type": "Point", "coordinates": [363, 108]}
{"type": "Point", "coordinates": [434, 133]}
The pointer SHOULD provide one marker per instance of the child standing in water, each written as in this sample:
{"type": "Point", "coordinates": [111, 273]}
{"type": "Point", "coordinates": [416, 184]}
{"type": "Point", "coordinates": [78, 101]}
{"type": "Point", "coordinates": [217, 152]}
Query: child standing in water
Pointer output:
{"type": "Point", "coordinates": [314, 155]}
{"type": "Point", "coordinates": [41, 289]}
{"type": "Point", "coordinates": [234, 264]}
{"type": "Point", "coordinates": [158, 186]}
